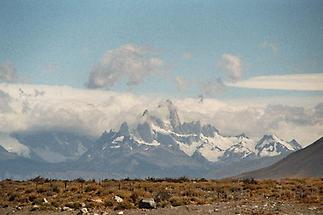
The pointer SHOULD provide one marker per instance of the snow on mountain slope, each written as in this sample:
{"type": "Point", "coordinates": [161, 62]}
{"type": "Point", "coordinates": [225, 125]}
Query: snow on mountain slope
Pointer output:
{"type": "Point", "coordinates": [295, 145]}
{"type": "Point", "coordinates": [12, 145]}
{"type": "Point", "coordinates": [162, 127]}
{"type": "Point", "coordinates": [191, 137]}
{"type": "Point", "coordinates": [216, 148]}
{"type": "Point", "coordinates": [271, 145]}
{"type": "Point", "coordinates": [5, 155]}
{"type": "Point", "coordinates": [54, 146]}
{"type": "Point", "coordinates": [307, 162]}
{"type": "Point", "coordinates": [158, 129]}
{"type": "Point", "coordinates": [126, 155]}
{"type": "Point", "coordinates": [211, 152]}
{"type": "Point", "coordinates": [237, 152]}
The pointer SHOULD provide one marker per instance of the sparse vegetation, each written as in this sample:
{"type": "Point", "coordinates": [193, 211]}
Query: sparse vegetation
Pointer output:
{"type": "Point", "coordinates": [166, 192]}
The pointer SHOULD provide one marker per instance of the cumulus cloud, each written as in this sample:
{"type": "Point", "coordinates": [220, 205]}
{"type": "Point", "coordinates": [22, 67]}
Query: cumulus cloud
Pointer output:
{"type": "Point", "coordinates": [93, 111]}
{"type": "Point", "coordinates": [255, 121]}
{"type": "Point", "coordinates": [130, 63]}
{"type": "Point", "coordinates": [269, 45]}
{"type": "Point", "coordinates": [181, 83]}
{"type": "Point", "coordinates": [299, 82]}
{"type": "Point", "coordinates": [8, 72]}
{"type": "Point", "coordinates": [231, 65]}
{"type": "Point", "coordinates": [66, 108]}
{"type": "Point", "coordinates": [290, 114]}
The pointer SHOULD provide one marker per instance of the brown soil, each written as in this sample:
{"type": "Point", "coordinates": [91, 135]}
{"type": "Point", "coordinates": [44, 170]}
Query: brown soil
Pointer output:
{"type": "Point", "coordinates": [182, 196]}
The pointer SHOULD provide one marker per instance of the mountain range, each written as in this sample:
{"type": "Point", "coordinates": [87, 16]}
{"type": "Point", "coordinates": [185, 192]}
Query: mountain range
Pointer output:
{"type": "Point", "coordinates": [307, 162]}
{"type": "Point", "coordinates": [158, 144]}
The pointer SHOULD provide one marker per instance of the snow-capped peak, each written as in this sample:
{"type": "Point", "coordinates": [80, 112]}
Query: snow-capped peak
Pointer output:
{"type": "Point", "coordinates": [124, 129]}
{"type": "Point", "coordinates": [173, 117]}
{"type": "Point", "coordinates": [163, 128]}
{"type": "Point", "coordinates": [271, 145]}
{"type": "Point", "coordinates": [242, 136]}
{"type": "Point", "coordinates": [295, 144]}
{"type": "Point", "coordinates": [11, 144]}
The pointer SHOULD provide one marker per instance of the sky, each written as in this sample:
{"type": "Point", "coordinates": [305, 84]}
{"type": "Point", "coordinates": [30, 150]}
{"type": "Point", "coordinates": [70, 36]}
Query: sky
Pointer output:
{"type": "Point", "coordinates": [241, 53]}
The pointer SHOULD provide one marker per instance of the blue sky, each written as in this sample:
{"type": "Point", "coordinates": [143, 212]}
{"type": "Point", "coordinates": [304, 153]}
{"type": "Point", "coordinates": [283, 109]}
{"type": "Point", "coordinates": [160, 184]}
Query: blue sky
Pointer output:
{"type": "Point", "coordinates": [60, 42]}
{"type": "Point", "coordinates": [255, 60]}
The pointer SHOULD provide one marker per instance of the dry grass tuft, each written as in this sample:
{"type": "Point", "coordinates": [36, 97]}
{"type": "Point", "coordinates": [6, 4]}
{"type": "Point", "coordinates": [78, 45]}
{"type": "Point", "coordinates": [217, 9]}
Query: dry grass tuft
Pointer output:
{"type": "Point", "coordinates": [166, 192]}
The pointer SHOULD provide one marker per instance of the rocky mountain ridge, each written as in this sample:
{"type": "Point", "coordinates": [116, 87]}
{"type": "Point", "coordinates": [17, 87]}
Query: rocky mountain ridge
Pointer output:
{"type": "Point", "coordinates": [157, 145]}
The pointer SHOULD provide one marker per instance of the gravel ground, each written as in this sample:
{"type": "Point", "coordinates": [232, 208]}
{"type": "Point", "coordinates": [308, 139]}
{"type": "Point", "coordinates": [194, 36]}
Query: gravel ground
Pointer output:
{"type": "Point", "coordinates": [222, 208]}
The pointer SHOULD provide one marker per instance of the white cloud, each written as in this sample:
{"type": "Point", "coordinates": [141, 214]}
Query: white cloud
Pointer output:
{"type": "Point", "coordinates": [300, 82]}
{"type": "Point", "coordinates": [232, 65]}
{"type": "Point", "coordinates": [130, 63]}
{"type": "Point", "coordinates": [287, 122]}
{"type": "Point", "coordinates": [7, 72]}
{"type": "Point", "coordinates": [61, 107]}
{"type": "Point", "coordinates": [181, 83]}
{"type": "Point", "coordinates": [4, 102]}
{"type": "Point", "coordinates": [269, 45]}
{"type": "Point", "coordinates": [93, 111]}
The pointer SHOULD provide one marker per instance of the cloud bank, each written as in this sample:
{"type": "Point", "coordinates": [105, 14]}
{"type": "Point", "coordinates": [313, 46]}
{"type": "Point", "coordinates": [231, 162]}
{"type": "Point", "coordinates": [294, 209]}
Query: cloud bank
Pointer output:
{"type": "Point", "coordinates": [130, 63]}
{"type": "Point", "coordinates": [93, 111]}
{"type": "Point", "coordinates": [298, 82]}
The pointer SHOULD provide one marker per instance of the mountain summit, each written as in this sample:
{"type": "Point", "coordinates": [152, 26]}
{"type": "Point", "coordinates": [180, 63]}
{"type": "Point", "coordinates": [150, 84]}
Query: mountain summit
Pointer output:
{"type": "Point", "coordinates": [271, 145]}
{"type": "Point", "coordinates": [307, 162]}
{"type": "Point", "coordinates": [158, 145]}
{"type": "Point", "coordinates": [160, 141]}
{"type": "Point", "coordinates": [195, 138]}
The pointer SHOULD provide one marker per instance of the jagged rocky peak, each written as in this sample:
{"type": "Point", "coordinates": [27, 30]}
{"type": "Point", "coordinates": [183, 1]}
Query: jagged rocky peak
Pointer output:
{"type": "Point", "coordinates": [145, 132]}
{"type": "Point", "coordinates": [3, 149]}
{"type": "Point", "coordinates": [272, 136]}
{"type": "Point", "coordinates": [242, 136]}
{"type": "Point", "coordinates": [105, 132]}
{"type": "Point", "coordinates": [237, 152]}
{"type": "Point", "coordinates": [107, 135]}
{"type": "Point", "coordinates": [295, 144]}
{"type": "Point", "coordinates": [124, 130]}
{"type": "Point", "coordinates": [173, 117]}
{"type": "Point", "coordinates": [271, 145]}
{"type": "Point", "coordinates": [152, 119]}
{"type": "Point", "coordinates": [166, 117]}
{"type": "Point", "coordinates": [145, 113]}
{"type": "Point", "coordinates": [268, 139]}
{"type": "Point", "coordinates": [209, 130]}
{"type": "Point", "coordinates": [193, 127]}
